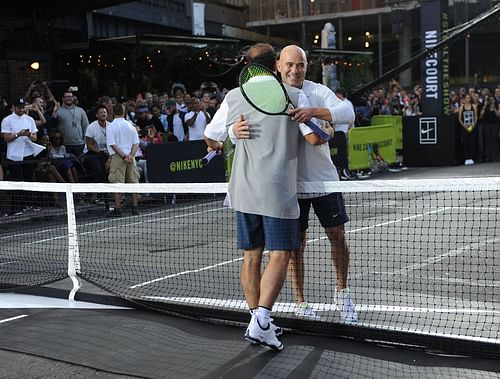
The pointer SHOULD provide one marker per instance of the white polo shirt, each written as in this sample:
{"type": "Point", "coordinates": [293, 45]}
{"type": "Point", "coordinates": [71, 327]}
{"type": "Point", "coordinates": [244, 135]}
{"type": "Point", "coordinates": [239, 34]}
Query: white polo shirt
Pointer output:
{"type": "Point", "coordinates": [121, 133]}
{"type": "Point", "coordinates": [196, 132]}
{"type": "Point", "coordinates": [20, 147]}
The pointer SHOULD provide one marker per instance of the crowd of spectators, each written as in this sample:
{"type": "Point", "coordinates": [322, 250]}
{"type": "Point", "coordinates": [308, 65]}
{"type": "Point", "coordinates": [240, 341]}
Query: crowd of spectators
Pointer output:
{"type": "Point", "coordinates": [75, 138]}
{"type": "Point", "coordinates": [478, 132]}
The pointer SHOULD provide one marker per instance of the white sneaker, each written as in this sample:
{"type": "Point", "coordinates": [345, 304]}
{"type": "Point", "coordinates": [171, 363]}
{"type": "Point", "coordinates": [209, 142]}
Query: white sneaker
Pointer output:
{"type": "Point", "coordinates": [277, 330]}
{"type": "Point", "coordinates": [304, 310]}
{"type": "Point", "coordinates": [255, 334]}
{"type": "Point", "coordinates": [468, 162]}
{"type": "Point", "coordinates": [346, 306]}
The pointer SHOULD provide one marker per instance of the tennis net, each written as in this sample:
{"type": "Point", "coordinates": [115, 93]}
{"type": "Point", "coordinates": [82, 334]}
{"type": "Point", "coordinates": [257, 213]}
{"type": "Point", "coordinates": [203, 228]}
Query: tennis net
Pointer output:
{"type": "Point", "coordinates": [424, 267]}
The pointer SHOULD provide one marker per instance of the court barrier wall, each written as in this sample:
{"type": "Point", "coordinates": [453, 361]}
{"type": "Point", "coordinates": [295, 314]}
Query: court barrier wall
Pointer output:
{"type": "Point", "coordinates": [396, 121]}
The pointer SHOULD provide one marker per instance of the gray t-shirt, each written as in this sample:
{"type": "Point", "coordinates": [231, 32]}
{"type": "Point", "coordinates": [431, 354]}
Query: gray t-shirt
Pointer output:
{"type": "Point", "coordinates": [264, 175]}
{"type": "Point", "coordinates": [72, 122]}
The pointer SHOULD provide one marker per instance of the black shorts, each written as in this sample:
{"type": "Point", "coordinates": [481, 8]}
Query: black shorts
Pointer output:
{"type": "Point", "coordinates": [330, 210]}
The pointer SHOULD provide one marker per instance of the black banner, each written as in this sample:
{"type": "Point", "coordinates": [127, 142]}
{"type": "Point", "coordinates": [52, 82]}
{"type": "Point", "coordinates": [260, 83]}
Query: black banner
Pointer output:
{"type": "Point", "coordinates": [180, 162]}
{"type": "Point", "coordinates": [429, 141]}
{"type": "Point", "coordinates": [435, 67]}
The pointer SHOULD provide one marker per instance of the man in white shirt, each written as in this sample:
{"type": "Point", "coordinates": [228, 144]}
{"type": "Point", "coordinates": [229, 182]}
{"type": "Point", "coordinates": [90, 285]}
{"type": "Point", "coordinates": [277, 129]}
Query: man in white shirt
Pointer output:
{"type": "Point", "coordinates": [174, 122]}
{"type": "Point", "coordinates": [123, 142]}
{"type": "Point", "coordinates": [315, 165]}
{"type": "Point", "coordinates": [340, 138]}
{"type": "Point", "coordinates": [96, 150]}
{"type": "Point", "coordinates": [196, 120]}
{"type": "Point", "coordinates": [19, 131]}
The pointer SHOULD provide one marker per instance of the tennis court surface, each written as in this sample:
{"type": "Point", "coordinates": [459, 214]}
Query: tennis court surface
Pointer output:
{"type": "Point", "coordinates": [424, 273]}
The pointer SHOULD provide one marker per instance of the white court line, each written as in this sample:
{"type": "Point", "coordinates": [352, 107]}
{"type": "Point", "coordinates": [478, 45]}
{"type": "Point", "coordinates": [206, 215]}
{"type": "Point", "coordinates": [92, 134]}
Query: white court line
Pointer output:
{"type": "Point", "coordinates": [308, 241]}
{"type": "Point", "coordinates": [12, 318]}
{"type": "Point", "coordinates": [185, 273]}
{"type": "Point", "coordinates": [10, 300]}
{"type": "Point", "coordinates": [439, 258]}
{"type": "Point", "coordinates": [96, 222]}
{"type": "Point", "coordinates": [9, 263]}
{"type": "Point", "coordinates": [429, 332]}
{"type": "Point", "coordinates": [320, 307]}
{"type": "Point", "coordinates": [479, 282]}
{"type": "Point", "coordinates": [125, 225]}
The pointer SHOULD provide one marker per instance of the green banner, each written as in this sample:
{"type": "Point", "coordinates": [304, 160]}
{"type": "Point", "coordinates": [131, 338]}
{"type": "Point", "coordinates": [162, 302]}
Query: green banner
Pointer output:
{"type": "Point", "coordinates": [359, 138]}
{"type": "Point", "coordinates": [397, 121]}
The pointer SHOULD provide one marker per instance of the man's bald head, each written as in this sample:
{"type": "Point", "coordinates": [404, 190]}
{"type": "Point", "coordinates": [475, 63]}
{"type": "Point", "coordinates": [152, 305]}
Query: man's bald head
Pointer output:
{"type": "Point", "coordinates": [292, 65]}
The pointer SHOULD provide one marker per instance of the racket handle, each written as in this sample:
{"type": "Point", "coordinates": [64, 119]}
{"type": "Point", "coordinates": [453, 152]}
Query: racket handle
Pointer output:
{"type": "Point", "coordinates": [320, 132]}
{"type": "Point", "coordinates": [207, 158]}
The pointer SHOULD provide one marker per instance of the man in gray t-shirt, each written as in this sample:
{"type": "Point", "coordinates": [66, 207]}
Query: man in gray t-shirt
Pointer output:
{"type": "Point", "coordinates": [72, 122]}
{"type": "Point", "coordinates": [263, 192]}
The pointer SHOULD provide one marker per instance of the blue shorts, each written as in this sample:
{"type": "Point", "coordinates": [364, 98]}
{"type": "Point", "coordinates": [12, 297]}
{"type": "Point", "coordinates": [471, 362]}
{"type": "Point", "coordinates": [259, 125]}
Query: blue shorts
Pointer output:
{"type": "Point", "coordinates": [269, 232]}
{"type": "Point", "coordinates": [330, 210]}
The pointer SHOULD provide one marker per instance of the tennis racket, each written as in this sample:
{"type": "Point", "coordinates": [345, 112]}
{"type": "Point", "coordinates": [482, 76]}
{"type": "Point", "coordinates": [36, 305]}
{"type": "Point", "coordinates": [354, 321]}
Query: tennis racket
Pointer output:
{"type": "Point", "coordinates": [263, 90]}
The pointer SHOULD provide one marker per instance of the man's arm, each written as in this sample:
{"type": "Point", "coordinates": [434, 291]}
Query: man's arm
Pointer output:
{"type": "Point", "coordinates": [118, 151]}
{"type": "Point", "coordinates": [130, 157]}
{"type": "Point", "coordinates": [216, 131]}
{"type": "Point", "coordinates": [55, 111]}
{"type": "Point", "coordinates": [89, 141]}
{"type": "Point", "coordinates": [331, 109]}
{"type": "Point", "coordinates": [190, 121]}
{"type": "Point", "coordinates": [213, 144]}
{"type": "Point", "coordinates": [305, 114]}
{"type": "Point", "coordinates": [309, 136]}
{"type": "Point", "coordinates": [85, 121]}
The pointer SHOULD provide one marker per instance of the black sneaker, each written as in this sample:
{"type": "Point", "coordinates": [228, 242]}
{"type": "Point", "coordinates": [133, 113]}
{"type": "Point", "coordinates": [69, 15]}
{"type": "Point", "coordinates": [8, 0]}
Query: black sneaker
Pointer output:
{"type": "Point", "coordinates": [135, 212]}
{"type": "Point", "coordinates": [117, 212]}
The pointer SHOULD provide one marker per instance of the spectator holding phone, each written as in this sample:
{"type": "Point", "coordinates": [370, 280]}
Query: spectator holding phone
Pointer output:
{"type": "Point", "coordinates": [18, 131]}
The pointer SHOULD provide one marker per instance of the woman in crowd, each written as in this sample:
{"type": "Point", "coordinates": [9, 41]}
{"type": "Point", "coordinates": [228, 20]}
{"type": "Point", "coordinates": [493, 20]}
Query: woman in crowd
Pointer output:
{"type": "Point", "coordinates": [490, 117]}
{"type": "Point", "coordinates": [467, 118]}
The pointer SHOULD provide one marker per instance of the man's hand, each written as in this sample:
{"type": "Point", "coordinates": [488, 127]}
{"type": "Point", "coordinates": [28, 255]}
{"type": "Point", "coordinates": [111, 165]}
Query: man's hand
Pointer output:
{"type": "Point", "coordinates": [330, 130]}
{"type": "Point", "coordinates": [241, 128]}
{"type": "Point", "coordinates": [216, 146]}
{"type": "Point", "coordinates": [301, 114]}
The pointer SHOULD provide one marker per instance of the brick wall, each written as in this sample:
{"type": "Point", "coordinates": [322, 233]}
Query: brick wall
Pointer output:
{"type": "Point", "coordinates": [16, 76]}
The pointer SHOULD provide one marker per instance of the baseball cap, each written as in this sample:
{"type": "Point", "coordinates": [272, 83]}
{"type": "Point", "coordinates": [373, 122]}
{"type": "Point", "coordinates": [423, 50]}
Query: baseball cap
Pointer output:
{"type": "Point", "coordinates": [19, 102]}
{"type": "Point", "coordinates": [142, 109]}
{"type": "Point", "coordinates": [170, 103]}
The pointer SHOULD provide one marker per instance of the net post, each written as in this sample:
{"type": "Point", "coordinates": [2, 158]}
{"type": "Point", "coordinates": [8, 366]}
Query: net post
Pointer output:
{"type": "Point", "coordinates": [73, 249]}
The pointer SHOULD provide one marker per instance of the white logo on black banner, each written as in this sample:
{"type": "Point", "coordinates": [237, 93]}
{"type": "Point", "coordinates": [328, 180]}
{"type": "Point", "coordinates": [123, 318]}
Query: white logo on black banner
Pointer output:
{"type": "Point", "coordinates": [428, 130]}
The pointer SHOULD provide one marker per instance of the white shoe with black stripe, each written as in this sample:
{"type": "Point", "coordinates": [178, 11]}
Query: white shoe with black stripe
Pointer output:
{"type": "Point", "coordinates": [265, 337]}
